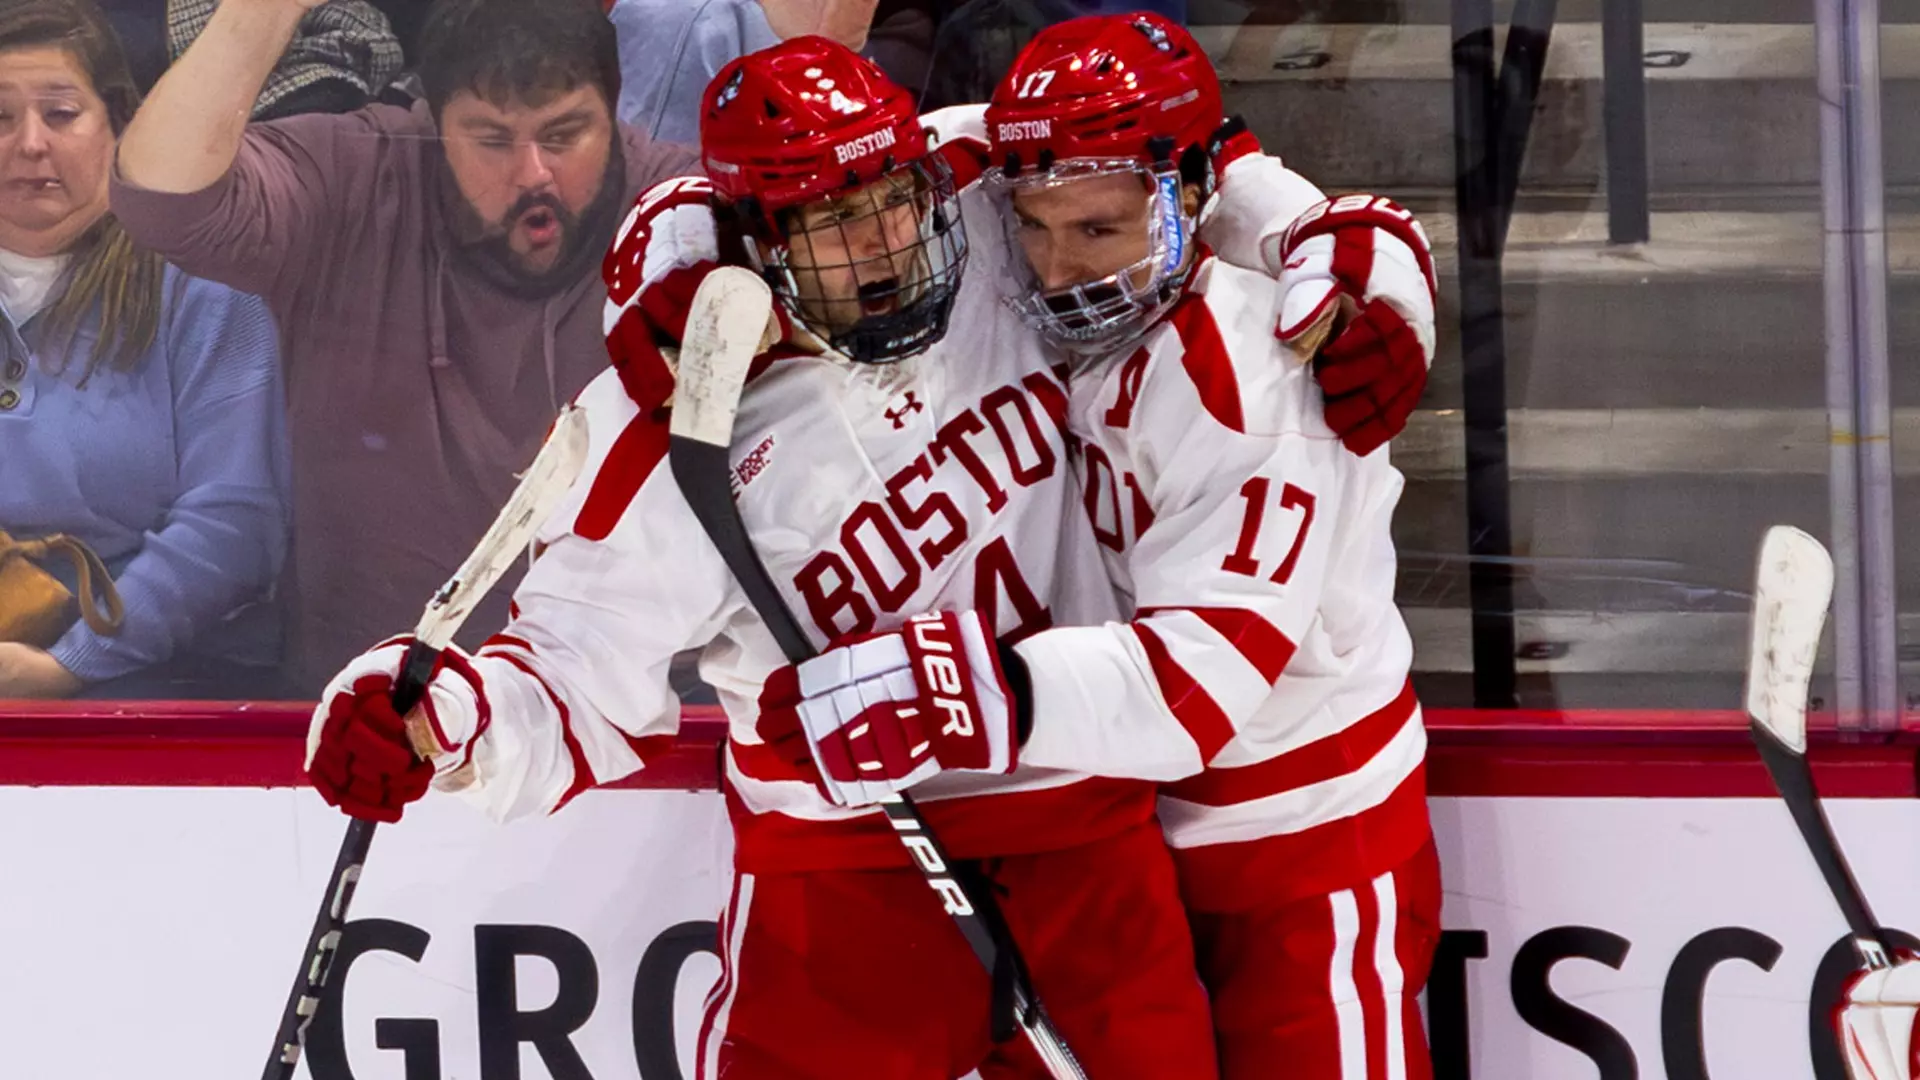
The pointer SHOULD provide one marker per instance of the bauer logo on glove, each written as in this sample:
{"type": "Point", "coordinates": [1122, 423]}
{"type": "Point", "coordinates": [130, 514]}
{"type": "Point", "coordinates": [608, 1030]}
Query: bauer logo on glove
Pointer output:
{"type": "Point", "coordinates": [890, 710]}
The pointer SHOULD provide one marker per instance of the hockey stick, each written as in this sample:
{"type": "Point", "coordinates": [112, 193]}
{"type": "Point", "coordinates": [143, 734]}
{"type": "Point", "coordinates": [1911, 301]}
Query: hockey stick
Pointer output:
{"type": "Point", "coordinates": [728, 326]}
{"type": "Point", "coordinates": [1790, 596]}
{"type": "Point", "coordinates": [541, 487]}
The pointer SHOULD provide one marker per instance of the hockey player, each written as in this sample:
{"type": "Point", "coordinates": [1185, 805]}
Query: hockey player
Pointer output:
{"type": "Point", "coordinates": [880, 471]}
{"type": "Point", "coordinates": [1264, 672]}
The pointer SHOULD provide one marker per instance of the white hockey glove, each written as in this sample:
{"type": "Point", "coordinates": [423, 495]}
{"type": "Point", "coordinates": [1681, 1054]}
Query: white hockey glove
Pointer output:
{"type": "Point", "coordinates": [884, 712]}
{"type": "Point", "coordinates": [1876, 1023]}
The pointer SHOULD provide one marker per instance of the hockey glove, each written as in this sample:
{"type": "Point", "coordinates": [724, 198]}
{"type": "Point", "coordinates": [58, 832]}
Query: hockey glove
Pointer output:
{"type": "Point", "coordinates": [884, 712]}
{"type": "Point", "coordinates": [667, 246]}
{"type": "Point", "coordinates": [363, 758]}
{"type": "Point", "coordinates": [1876, 1021]}
{"type": "Point", "coordinates": [1357, 294]}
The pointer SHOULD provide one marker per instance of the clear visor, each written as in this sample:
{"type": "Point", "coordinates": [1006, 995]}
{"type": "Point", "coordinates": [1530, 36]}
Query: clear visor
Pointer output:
{"type": "Point", "coordinates": [1098, 311]}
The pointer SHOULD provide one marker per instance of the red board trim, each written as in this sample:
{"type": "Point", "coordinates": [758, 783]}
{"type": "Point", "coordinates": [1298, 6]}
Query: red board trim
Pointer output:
{"type": "Point", "coordinates": [1574, 754]}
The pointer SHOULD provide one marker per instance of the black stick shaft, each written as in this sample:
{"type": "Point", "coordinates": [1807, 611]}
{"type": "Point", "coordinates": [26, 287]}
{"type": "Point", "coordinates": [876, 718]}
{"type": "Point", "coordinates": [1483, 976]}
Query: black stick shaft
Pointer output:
{"type": "Point", "coordinates": [1794, 780]}
{"type": "Point", "coordinates": [700, 470]}
{"type": "Point", "coordinates": [323, 942]}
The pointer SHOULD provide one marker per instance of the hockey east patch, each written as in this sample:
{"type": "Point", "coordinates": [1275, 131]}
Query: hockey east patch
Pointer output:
{"type": "Point", "coordinates": [752, 465]}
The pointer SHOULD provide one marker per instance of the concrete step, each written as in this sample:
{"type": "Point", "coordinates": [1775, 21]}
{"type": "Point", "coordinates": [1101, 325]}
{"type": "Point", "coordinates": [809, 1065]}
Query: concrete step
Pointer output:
{"type": "Point", "coordinates": [1584, 660]}
{"type": "Point", "coordinates": [1729, 105]}
{"type": "Point", "coordinates": [1628, 444]}
{"type": "Point", "coordinates": [1656, 660]}
{"type": "Point", "coordinates": [1718, 310]}
{"type": "Point", "coordinates": [1625, 543]}
{"type": "Point", "coordinates": [1440, 12]}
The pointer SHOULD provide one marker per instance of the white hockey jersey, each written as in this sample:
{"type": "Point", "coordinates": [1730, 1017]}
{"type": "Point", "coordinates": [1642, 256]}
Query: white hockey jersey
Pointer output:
{"type": "Point", "coordinates": [1265, 669]}
{"type": "Point", "coordinates": [872, 493]}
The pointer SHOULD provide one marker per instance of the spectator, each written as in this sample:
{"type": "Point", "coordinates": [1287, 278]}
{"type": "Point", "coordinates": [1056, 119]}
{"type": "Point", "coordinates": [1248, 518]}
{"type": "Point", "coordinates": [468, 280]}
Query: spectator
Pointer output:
{"type": "Point", "coordinates": [901, 40]}
{"type": "Point", "coordinates": [977, 40]}
{"type": "Point", "coordinates": [408, 18]}
{"type": "Point", "coordinates": [438, 297]}
{"type": "Point", "coordinates": [140, 409]}
{"type": "Point", "coordinates": [671, 49]}
{"type": "Point", "coordinates": [342, 56]}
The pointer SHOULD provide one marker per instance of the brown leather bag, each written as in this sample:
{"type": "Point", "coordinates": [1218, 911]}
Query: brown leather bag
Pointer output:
{"type": "Point", "coordinates": [35, 608]}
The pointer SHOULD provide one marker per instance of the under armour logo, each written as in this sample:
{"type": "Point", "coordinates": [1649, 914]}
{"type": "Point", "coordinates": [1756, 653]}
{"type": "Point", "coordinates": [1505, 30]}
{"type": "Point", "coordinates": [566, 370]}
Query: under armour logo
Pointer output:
{"type": "Point", "coordinates": [908, 406]}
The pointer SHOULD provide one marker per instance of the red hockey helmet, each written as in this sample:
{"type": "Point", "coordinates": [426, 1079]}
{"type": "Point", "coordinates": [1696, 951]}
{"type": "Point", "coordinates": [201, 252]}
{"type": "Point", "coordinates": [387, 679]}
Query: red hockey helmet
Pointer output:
{"type": "Point", "coordinates": [807, 121]}
{"type": "Point", "coordinates": [802, 121]}
{"type": "Point", "coordinates": [1100, 95]}
{"type": "Point", "coordinates": [1131, 87]}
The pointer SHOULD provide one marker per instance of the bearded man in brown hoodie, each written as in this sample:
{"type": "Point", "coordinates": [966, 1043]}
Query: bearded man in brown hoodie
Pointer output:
{"type": "Point", "coordinates": [435, 273]}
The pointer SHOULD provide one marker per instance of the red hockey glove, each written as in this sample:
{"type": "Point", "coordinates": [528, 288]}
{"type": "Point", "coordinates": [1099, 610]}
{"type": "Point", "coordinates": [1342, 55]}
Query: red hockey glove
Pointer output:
{"type": "Point", "coordinates": [1876, 1022]}
{"type": "Point", "coordinates": [366, 760]}
{"type": "Point", "coordinates": [665, 248]}
{"type": "Point", "coordinates": [1372, 376]}
{"type": "Point", "coordinates": [884, 712]}
{"type": "Point", "coordinates": [1358, 268]}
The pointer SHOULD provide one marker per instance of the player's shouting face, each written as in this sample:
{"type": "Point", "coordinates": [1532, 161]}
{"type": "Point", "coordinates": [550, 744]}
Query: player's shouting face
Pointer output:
{"type": "Point", "coordinates": [859, 255]}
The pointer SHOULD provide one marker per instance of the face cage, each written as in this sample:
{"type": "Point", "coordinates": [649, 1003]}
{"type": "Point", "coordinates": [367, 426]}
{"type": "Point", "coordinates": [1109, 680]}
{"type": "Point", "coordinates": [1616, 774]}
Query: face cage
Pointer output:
{"type": "Point", "coordinates": [925, 300]}
{"type": "Point", "coordinates": [1094, 316]}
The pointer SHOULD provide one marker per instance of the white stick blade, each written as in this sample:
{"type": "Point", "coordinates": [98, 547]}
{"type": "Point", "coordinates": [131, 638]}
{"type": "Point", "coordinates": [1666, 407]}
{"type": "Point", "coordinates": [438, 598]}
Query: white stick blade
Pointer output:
{"type": "Point", "coordinates": [1791, 592]}
{"type": "Point", "coordinates": [541, 488]}
{"type": "Point", "coordinates": [726, 329]}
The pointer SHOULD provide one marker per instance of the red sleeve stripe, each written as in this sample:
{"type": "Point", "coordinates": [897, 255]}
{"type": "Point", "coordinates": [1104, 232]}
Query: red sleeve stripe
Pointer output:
{"type": "Point", "coordinates": [1191, 704]}
{"type": "Point", "coordinates": [633, 457]}
{"type": "Point", "coordinates": [507, 641]}
{"type": "Point", "coordinates": [583, 777]}
{"type": "Point", "coordinates": [1259, 641]}
{"type": "Point", "coordinates": [1323, 759]}
{"type": "Point", "coordinates": [1204, 354]}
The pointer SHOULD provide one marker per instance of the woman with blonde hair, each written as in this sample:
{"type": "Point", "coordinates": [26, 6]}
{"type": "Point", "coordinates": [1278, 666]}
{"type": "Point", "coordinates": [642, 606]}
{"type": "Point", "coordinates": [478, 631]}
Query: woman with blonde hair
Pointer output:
{"type": "Point", "coordinates": [140, 408]}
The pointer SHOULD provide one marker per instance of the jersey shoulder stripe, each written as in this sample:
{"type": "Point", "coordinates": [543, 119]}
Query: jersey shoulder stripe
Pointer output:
{"type": "Point", "coordinates": [1203, 355]}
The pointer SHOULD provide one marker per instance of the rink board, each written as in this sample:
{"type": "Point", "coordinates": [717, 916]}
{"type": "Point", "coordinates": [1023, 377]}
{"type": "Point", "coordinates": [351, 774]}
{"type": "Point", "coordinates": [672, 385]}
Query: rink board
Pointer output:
{"type": "Point", "coordinates": [153, 931]}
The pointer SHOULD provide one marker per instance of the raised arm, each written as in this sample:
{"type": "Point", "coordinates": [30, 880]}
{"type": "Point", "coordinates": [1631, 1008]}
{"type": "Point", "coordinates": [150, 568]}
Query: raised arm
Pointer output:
{"type": "Point", "coordinates": [189, 128]}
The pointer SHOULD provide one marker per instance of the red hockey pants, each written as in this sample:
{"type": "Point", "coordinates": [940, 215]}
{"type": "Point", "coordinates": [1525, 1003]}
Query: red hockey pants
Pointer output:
{"type": "Point", "coordinates": [1324, 987]}
{"type": "Point", "coordinates": [860, 975]}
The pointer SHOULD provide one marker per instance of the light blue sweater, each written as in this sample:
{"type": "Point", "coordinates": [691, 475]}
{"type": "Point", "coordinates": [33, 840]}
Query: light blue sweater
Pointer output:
{"type": "Point", "coordinates": [671, 49]}
{"type": "Point", "coordinates": [174, 472]}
